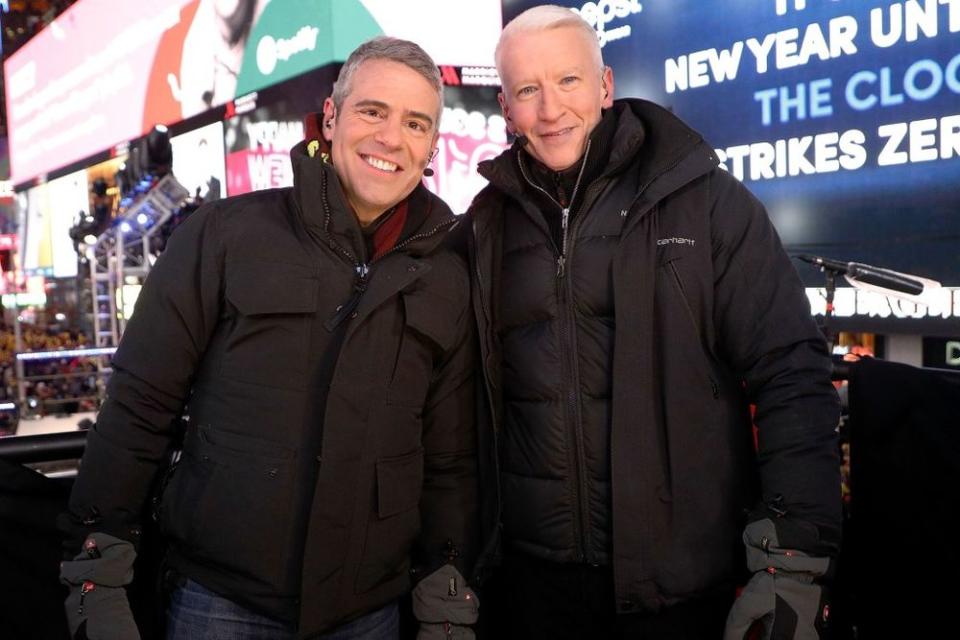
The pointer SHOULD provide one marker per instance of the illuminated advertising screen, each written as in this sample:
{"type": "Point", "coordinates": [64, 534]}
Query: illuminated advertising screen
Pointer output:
{"type": "Point", "coordinates": [47, 212]}
{"type": "Point", "coordinates": [258, 149]}
{"type": "Point", "coordinates": [34, 231]}
{"type": "Point", "coordinates": [471, 130]}
{"type": "Point", "coordinates": [80, 85]}
{"type": "Point", "coordinates": [259, 140]}
{"type": "Point", "coordinates": [267, 125]}
{"type": "Point", "coordinates": [198, 162]}
{"type": "Point", "coordinates": [106, 72]}
{"type": "Point", "coordinates": [842, 117]}
{"type": "Point", "coordinates": [259, 156]}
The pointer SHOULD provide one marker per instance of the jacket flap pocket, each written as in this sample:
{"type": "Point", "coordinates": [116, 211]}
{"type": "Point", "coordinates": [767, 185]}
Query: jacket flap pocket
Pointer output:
{"type": "Point", "coordinates": [429, 316]}
{"type": "Point", "coordinates": [668, 254]}
{"type": "Point", "coordinates": [236, 444]}
{"type": "Point", "coordinates": [399, 483]}
{"type": "Point", "coordinates": [259, 287]}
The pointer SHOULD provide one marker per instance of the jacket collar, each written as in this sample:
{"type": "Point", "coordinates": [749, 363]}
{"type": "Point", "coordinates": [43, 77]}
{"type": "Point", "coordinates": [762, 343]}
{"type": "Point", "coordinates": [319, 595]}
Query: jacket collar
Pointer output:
{"type": "Point", "coordinates": [316, 182]}
{"type": "Point", "coordinates": [648, 137]}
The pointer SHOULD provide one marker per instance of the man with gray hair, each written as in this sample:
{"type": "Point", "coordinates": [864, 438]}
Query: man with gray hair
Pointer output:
{"type": "Point", "coordinates": [634, 301]}
{"type": "Point", "coordinates": [310, 354]}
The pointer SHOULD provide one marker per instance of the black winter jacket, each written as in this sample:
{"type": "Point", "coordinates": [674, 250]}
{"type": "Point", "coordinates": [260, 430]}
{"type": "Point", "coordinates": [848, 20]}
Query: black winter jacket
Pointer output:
{"type": "Point", "coordinates": [708, 316]}
{"type": "Point", "coordinates": [300, 516]}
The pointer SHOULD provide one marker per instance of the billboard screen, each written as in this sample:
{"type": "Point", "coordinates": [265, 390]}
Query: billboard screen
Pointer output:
{"type": "Point", "coordinates": [259, 139]}
{"type": "Point", "coordinates": [106, 72]}
{"type": "Point", "coordinates": [258, 149]}
{"type": "Point", "coordinates": [47, 212]}
{"type": "Point", "coordinates": [267, 125]}
{"type": "Point", "coordinates": [198, 161]}
{"type": "Point", "coordinates": [842, 117]}
{"type": "Point", "coordinates": [471, 130]}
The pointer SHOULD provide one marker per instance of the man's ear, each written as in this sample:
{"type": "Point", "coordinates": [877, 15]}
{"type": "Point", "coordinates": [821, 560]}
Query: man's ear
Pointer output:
{"type": "Point", "coordinates": [606, 82]}
{"type": "Point", "coordinates": [434, 144]}
{"type": "Point", "coordinates": [506, 113]}
{"type": "Point", "coordinates": [329, 119]}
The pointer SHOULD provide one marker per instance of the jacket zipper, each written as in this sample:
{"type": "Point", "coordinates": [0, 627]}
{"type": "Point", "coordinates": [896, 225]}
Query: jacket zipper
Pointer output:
{"type": "Point", "coordinates": [567, 322]}
{"type": "Point", "coordinates": [564, 211]}
{"type": "Point", "coordinates": [362, 270]}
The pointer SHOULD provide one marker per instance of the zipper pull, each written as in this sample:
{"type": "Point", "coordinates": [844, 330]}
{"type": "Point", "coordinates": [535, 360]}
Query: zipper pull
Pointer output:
{"type": "Point", "coordinates": [564, 222]}
{"type": "Point", "coordinates": [346, 310]}
{"type": "Point", "coordinates": [360, 283]}
{"type": "Point", "coordinates": [87, 587]}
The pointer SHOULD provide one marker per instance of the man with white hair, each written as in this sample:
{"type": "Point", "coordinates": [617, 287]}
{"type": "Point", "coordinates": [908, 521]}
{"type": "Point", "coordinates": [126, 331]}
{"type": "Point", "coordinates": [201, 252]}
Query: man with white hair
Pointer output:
{"type": "Point", "coordinates": [634, 301]}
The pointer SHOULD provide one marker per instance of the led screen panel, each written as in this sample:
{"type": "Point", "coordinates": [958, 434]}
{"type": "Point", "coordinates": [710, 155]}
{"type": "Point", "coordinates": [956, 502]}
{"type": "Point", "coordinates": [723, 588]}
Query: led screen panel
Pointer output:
{"type": "Point", "coordinates": [47, 212]}
{"type": "Point", "coordinates": [471, 131]}
{"type": "Point", "coordinates": [198, 161]}
{"type": "Point", "coordinates": [106, 72]}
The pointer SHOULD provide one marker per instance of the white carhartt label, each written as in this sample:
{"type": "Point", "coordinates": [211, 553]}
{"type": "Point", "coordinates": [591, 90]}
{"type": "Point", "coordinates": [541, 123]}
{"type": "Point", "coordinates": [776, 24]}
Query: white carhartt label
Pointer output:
{"type": "Point", "coordinates": [687, 241]}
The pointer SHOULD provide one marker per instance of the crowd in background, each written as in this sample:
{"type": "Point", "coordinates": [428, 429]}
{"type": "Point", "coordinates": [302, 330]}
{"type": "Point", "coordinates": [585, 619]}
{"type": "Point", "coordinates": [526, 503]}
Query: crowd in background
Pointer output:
{"type": "Point", "coordinates": [68, 385]}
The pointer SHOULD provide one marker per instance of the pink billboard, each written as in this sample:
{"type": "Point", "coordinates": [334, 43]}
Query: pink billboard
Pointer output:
{"type": "Point", "coordinates": [81, 84]}
{"type": "Point", "coordinates": [106, 72]}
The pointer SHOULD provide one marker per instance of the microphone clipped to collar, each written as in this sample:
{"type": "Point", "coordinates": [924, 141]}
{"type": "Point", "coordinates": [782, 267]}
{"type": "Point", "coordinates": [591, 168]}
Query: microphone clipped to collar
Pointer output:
{"type": "Point", "coordinates": [428, 170]}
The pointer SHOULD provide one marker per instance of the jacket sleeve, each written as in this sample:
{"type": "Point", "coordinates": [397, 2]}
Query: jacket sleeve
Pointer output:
{"type": "Point", "coordinates": [164, 341]}
{"type": "Point", "coordinates": [449, 507]}
{"type": "Point", "coordinates": [767, 334]}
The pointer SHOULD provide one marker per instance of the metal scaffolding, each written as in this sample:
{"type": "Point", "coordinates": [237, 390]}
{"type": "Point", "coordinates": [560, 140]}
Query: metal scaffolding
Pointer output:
{"type": "Point", "coordinates": [124, 254]}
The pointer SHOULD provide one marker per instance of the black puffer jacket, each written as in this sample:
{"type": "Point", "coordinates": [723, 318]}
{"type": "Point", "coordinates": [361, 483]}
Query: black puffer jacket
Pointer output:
{"type": "Point", "coordinates": [674, 269]}
{"type": "Point", "coordinates": [295, 514]}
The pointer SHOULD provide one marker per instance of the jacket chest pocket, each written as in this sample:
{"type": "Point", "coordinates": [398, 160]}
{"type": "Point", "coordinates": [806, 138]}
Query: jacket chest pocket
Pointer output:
{"type": "Point", "coordinates": [428, 333]}
{"type": "Point", "coordinates": [677, 311]}
{"type": "Point", "coordinates": [269, 340]}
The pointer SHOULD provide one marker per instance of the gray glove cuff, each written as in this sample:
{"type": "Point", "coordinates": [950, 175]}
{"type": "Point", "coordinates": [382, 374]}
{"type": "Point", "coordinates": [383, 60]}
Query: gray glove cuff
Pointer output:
{"type": "Point", "coordinates": [784, 595]}
{"type": "Point", "coordinates": [104, 560]}
{"type": "Point", "coordinates": [444, 597]}
{"type": "Point", "coordinates": [100, 613]}
{"type": "Point", "coordinates": [764, 553]}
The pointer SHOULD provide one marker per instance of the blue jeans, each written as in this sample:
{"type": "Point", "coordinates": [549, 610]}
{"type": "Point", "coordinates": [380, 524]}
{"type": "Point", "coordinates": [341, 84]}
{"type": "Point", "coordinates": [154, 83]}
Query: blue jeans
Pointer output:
{"type": "Point", "coordinates": [196, 613]}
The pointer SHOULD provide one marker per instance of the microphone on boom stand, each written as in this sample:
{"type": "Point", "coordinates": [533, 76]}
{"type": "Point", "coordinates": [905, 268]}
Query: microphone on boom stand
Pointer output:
{"type": "Point", "coordinates": [865, 276]}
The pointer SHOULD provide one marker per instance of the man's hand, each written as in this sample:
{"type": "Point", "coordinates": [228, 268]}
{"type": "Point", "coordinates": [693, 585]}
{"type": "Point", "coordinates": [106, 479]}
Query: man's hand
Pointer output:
{"type": "Point", "coordinates": [97, 607]}
{"type": "Point", "coordinates": [784, 595]}
{"type": "Point", "coordinates": [445, 605]}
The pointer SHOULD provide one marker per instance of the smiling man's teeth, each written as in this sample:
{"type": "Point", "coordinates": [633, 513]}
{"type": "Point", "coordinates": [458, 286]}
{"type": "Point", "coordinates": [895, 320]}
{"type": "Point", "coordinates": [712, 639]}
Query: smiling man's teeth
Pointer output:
{"type": "Point", "coordinates": [383, 165]}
